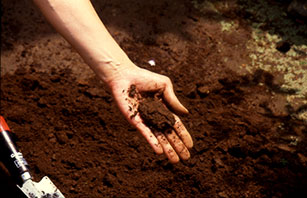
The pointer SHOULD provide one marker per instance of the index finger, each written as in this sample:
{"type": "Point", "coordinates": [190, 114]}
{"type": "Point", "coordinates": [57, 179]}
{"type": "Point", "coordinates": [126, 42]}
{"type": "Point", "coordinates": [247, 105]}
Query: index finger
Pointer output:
{"type": "Point", "coordinates": [147, 134]}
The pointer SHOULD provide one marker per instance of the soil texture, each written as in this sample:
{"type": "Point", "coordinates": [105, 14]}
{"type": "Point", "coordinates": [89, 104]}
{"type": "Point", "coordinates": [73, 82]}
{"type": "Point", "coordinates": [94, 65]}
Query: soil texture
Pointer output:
{"type": "Point", "coordinates": [156, 115]}
{"type": "Point", "coordinates": [248, 140]}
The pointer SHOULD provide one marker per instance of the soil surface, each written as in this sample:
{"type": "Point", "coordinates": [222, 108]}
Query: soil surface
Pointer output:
{"type": "Point", "coordinates": [248, 140]}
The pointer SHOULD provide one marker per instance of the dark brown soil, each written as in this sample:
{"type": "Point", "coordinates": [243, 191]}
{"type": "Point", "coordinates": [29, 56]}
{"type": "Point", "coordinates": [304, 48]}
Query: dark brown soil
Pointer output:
{"type": "Point", "coordinates": [156, 115]}
{"type": "Point", "coordinates": [132, 91]}
{"type": "Point", "coordinates": [248, 141]}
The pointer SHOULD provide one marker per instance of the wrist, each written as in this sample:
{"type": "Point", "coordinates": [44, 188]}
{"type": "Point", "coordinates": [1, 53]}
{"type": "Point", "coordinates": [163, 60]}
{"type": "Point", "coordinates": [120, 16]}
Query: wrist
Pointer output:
{"type": "Point", "coordinates": [109, 71]}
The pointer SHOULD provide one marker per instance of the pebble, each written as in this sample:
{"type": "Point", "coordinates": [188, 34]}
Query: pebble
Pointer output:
{"type": "Point", "coordinates": [203, 90]}
{"type": "Point", "coordinates": [152, 62]}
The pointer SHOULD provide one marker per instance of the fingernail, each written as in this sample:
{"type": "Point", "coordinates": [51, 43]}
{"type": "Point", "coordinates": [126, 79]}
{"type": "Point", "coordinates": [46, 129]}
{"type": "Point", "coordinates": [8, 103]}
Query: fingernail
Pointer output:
{"type": "Point", "coordinates": [186, 111]}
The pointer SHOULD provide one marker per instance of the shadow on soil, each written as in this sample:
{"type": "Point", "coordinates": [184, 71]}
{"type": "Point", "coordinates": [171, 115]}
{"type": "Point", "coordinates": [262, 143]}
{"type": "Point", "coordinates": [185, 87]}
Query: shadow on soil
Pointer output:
{"type": "Point", "coordinates": [144, 20]}
{"type": "Point", "coordinates": [232, 125]}
{"type": "Point", "coordinates": [278, 165]}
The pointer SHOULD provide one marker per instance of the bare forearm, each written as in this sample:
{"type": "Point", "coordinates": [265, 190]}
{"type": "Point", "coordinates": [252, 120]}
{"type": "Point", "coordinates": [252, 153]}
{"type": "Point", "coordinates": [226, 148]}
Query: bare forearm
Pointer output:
{"type": "Point", "coordinates": [78, 22]}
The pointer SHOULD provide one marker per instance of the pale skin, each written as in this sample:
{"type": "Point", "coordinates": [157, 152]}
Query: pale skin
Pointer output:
{"type": "Point", "coordinates": [78, 22]}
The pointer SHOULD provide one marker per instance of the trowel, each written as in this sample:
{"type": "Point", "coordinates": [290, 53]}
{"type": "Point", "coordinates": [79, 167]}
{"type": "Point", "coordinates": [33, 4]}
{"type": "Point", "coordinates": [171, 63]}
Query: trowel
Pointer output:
{"type": "Point", "coordinates": [19, 168]}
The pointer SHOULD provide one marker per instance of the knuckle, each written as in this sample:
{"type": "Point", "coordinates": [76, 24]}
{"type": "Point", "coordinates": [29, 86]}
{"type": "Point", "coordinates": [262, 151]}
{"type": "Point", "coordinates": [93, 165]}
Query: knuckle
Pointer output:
{"type": "Point", "coordinates": [167, 81]}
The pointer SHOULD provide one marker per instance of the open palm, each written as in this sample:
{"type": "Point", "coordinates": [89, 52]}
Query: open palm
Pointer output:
{"type": "Point", "coordinates": [175, 144]}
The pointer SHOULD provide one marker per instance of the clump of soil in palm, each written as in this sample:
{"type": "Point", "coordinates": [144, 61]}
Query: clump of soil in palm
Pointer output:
{"type": "Point", "coordinates": [154, 114]}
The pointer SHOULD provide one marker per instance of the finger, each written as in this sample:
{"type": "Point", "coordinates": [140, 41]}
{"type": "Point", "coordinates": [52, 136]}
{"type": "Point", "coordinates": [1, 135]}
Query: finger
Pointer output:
{"type": "Point", "coordinates": [177, 144]}
{"type": "Point", "coordinates": [172, 100]}
{"type": "Point", "coordinates": [148, 135]}
{"type": "Point", "coordinates": [128, 108]}
{"type": "Point", "coordinates": [183, 132]}
{"type": "Point", "coordinates": [167, 148]}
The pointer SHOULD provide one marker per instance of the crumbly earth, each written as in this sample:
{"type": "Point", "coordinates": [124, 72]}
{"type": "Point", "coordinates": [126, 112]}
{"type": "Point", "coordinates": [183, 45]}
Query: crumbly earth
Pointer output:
{"type": "Point", "coordinates": [249, 141]}
{"type": "Point", "coordinates": [156, 115]}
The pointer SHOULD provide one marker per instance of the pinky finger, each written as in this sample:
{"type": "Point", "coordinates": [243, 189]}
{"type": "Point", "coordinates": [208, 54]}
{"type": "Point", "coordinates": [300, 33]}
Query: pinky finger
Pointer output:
{"type": "Point", "coordinates": [183, 132]}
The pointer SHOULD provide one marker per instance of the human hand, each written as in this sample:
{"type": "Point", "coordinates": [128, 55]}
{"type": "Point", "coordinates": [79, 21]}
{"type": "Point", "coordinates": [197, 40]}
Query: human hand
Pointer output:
{"type": "Point", "coordinates": [87, 34]}
{"type": "Point", "coordinates": [175, 143]}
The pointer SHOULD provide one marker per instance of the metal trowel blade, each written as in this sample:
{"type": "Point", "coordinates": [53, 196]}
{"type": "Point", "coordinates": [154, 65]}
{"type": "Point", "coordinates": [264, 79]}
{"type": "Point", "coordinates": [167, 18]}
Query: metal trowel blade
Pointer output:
{"type": "Point", "coordinates": [43, 189]}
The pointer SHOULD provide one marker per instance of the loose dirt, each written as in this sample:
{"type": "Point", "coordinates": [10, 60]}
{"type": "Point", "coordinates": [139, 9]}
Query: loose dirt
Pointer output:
{"type": "Point", "coordinates": [248, 140]}
{"type": "Point", "coordinates": [156, 115]}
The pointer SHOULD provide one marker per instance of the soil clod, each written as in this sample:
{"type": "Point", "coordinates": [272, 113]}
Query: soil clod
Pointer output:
{"type": "Point", "coordinates": [156, 115]}
{"type": "Point", "coordinates": [132, 91]}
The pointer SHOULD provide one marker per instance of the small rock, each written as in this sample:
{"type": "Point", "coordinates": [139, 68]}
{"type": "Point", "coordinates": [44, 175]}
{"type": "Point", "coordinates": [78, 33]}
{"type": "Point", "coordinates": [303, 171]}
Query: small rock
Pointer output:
{"type": "Point", "coordinates": [152, 63]}
{"type": "Point", "coordinates": [203, 90]}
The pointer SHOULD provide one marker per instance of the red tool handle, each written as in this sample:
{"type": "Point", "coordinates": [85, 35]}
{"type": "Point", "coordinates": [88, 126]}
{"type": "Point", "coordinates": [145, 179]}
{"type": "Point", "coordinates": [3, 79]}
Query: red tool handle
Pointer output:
{"type": "Point", "coordinates": [3, 125]}
{"type": "Point", "coordinates": [10, 156]}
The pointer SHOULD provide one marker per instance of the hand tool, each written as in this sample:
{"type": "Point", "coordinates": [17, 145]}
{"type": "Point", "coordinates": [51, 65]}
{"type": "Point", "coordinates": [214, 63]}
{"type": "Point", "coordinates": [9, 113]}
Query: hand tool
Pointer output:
{"type": "Point", "coordinates": [19, 168]}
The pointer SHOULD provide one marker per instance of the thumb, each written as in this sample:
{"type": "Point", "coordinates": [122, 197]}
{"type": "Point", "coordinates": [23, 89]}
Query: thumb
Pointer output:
{"type": "Point", "coordinates": [172, 101]}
